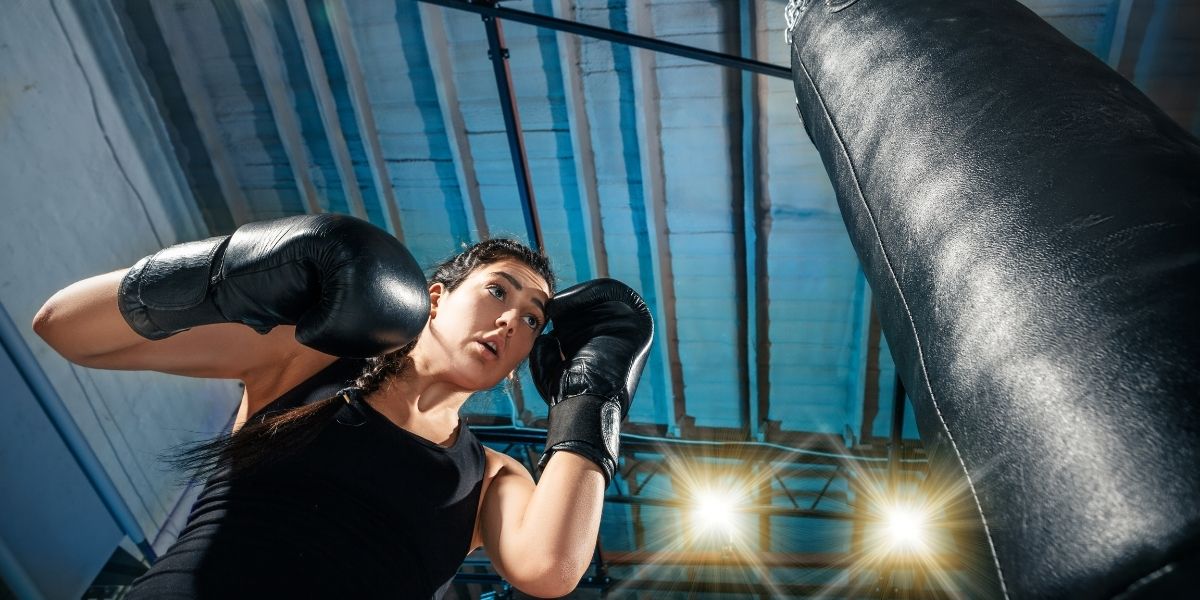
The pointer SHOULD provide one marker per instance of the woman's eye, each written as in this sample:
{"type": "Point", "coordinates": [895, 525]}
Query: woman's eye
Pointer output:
{"type": "Point", "coordinates": [496, 291]}
{"type": "Point", "coordinates": [532, 321]}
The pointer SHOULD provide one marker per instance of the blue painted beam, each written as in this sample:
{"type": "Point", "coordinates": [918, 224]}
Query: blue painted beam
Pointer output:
{"type": "Point", "coordinates": [581, 144]}
{"type": "Point", "coordinates": [339, 25]}
{"type": "Point", "coordinates": [859, 338]}
{"type": "Point", "coordinates": [751, 220]}
{"type": "Point", "coordinates": [1151, 43]}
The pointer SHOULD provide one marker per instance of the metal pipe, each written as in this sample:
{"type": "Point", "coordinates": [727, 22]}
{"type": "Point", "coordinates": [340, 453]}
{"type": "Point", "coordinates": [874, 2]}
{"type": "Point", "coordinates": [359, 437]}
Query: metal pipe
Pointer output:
{"type": "Point", "coordinates": [619, 37]}
{"type": "Point", "coordinates": [777, 511]}
{"type": "Point", "coordinates": [64, 423]}
{"type": "Point", "coordinates": [701, 586]}
{"type": "Point", "coordinates": [894, 446]}
{"type": "Point", "coordinates": [16, 577]}
{"type": "Point", "coordinates": [512, 126]}
{"type": "Point", "coordinates": [758, 451]}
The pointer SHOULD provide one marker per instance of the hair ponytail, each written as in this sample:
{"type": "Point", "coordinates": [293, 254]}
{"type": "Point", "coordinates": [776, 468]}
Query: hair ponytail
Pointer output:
{"type": "Point", "coordinates": [257, 442]}
{"type": "Point", "coordinates": [267, 437]}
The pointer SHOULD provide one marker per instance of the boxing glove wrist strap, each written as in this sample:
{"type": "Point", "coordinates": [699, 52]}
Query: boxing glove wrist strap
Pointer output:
{"type": "Point", "coordinates": [168, 291]}
{"type": "Point", "coordinates": [589, 426]}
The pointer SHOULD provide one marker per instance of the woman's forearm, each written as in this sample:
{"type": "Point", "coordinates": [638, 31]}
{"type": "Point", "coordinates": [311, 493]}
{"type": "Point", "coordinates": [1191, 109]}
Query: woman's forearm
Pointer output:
{"type": "Point", "coordinates": [541, 538]}
{"type": "Point", "coordinates": [565, 507]}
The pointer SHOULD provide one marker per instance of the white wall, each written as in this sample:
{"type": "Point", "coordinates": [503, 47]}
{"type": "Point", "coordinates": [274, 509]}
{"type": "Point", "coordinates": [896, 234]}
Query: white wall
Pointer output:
{"type": "Point", "coordinates": [89, 185]}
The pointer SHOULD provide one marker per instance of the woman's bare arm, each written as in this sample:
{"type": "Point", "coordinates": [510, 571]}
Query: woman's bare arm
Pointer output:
{"type": "Point", "coordinates": [82, 323]}
{"type": "Point", "coordinates": [541, 538]}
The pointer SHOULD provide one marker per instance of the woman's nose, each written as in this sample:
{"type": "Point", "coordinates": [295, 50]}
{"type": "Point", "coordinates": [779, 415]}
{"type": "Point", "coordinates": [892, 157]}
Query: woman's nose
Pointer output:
{"type": "Point", "coordinates": [507, 319]}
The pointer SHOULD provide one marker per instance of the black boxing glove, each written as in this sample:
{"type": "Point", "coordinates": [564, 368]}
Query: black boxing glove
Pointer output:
{"type": "Point", "coordinates": [350, 288]}
{"type": "Point", "coordinates": [587, 368]}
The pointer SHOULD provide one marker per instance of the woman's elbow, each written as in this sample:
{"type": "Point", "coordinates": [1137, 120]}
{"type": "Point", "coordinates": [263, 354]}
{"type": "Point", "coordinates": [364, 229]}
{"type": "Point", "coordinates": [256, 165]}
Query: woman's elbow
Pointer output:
{"type": "Point", "coordinates": [44, 322]}
{"type": "Point", "coordinates": [50, 325]}
{"type": "Point", "coordinates": [549, 578]}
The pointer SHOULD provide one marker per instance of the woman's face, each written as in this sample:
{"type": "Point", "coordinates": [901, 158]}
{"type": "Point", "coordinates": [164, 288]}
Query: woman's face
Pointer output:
{"type": "Point", "coordinates": [483, 329]}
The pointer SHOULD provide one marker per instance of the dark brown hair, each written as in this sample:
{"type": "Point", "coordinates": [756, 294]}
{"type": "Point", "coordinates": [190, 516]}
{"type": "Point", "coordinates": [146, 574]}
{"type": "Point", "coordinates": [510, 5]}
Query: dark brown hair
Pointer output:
{"type": "Point", "coordinates": [267, 436]}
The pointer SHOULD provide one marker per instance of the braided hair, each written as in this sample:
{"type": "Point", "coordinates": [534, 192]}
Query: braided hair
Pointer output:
{"type": "Point", "coordinates": [265, 437]}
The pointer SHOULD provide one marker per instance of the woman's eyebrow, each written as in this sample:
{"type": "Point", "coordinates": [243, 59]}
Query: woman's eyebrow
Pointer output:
{"type": "Point", "coordinates": [510, 278]}
{"type": "Point", "coordinates": [517, 284]}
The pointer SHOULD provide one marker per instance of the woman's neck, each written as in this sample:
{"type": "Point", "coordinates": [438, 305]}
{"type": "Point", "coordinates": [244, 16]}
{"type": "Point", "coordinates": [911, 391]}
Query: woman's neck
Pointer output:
{"type": "Point", "coordinates": [421, 402]}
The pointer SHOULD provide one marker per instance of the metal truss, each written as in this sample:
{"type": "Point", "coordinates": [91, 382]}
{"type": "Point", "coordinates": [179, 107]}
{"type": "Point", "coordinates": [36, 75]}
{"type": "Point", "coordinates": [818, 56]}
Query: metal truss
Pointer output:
{"type": "Point", "coordinates": [795, 484]}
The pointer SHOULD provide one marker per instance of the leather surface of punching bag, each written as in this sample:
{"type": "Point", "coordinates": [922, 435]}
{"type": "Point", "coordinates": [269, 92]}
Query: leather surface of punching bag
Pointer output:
{"type": "Point", "coordinates": [1030, 225]}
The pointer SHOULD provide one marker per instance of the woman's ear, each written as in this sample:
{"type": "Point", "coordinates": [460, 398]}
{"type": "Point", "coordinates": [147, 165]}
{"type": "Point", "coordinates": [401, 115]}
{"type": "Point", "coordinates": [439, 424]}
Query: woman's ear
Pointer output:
{"type": "Point", "coordinates": [435, 295]}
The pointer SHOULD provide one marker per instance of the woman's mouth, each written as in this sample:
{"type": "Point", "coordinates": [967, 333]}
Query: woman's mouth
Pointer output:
{"type": "Point", "coordinates": [491, 348]}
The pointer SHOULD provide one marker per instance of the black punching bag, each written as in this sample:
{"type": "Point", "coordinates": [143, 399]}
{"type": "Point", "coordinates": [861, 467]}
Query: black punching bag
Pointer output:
{"type": "Point", "coordinates": [1030, 225]}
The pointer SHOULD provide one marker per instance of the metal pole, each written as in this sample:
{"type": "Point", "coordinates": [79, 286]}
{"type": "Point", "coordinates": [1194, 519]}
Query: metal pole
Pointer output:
{"type": "Point", "coordinates": [778, 511]}
{"type": "Point", "coordinates": [620, 37]}
{"type": "Point", "coordinates": [512, 125]}
{"type": "Point", "coordinates": [894, 447]}
{"type": "Point", "coordinates": [41, 388]}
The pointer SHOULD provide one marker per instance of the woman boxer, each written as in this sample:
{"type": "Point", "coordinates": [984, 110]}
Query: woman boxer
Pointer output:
{"type": "Point", "coordinates": [374, 490]}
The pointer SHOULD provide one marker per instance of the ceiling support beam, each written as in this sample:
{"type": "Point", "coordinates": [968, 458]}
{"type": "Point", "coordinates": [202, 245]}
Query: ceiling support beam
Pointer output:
{"type": "Point", "coordinates": [192, 84]}
{"type": "Point", "coordinates": [1116, 45]}
{"type": "Point", "coordinates": [794, 560]}
{"type": "Point", "coordinates": [437, 44]}
{"type": "Point", "coordinates": [775, 511]}
{"type": "Point", "coordinates": [498, 53]}
{"type": "Point", "coordinates": [268, 59]}
{"type": "Point", "coordinates": [649, 130]}
{"type": "Point", "coordinates": [581, 140]}
{"type": "Point", "coordinates": [698, 586]}
{"type": "Point", "coordinates": [860, 357]}
{"type": "Point", "coordinates": [742, 451]}
{"type": "Point", "coordinates": [750, 234]}
{"type": "Point", "coordinates": [895, 447]}
{"type": "Point", "coordinates": [620, 37]}
{"type": "Point", "coordinates": [343, 38]}
{"type": "Point", "coordinates": [870, 396]}
{"type": "Point", "coordinates": [314, 63]}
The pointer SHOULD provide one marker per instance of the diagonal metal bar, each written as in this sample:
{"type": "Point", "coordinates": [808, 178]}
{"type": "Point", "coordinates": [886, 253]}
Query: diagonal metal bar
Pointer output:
{"type": "Point", "coordinates": [825, 488]}
{"type": "Point", "coordinates": [498, 54]}
{"type": "Point", "coordinates": [783, 486]}
{"type": "Point", "coordinates": [30, 372]}
{"type": "Point", "coordinates": [619, 37]}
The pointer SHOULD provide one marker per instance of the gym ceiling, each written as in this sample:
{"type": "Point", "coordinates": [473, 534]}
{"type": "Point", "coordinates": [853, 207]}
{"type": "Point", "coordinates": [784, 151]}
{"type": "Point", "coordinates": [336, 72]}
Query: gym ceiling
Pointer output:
{"type": "Point", "coordinates": [693, 182]}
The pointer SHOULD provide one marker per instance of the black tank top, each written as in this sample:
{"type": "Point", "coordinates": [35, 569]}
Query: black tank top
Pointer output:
{"type": "Point", "coordinates": [367, 510]}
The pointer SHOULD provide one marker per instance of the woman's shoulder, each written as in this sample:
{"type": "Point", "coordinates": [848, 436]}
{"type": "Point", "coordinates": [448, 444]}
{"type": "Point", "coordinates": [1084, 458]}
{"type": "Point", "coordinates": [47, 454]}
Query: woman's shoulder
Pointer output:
{"type": "Point", "coordinates": [495, 462]}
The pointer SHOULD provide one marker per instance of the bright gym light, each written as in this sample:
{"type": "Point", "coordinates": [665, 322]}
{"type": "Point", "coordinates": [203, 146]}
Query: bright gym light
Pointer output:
{"type": "Point", "coordinates": [906, 528]}
{"type": "Point", "coordinates": [714, 510]}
